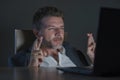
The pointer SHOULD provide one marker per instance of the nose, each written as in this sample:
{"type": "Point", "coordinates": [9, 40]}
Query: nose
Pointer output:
{"type": "Point", "coordinates": [57, 32]}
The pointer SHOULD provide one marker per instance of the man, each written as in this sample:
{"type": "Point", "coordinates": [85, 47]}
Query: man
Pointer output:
{"type": "Point", "coordinates": [49, 48]}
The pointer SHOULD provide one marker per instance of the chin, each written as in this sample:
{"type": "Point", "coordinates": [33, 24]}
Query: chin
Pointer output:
{"type": "Point", "coordinates": [57, 47]}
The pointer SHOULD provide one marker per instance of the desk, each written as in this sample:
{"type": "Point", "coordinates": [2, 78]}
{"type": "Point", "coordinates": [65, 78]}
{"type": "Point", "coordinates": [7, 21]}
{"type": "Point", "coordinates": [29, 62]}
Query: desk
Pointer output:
{"type": "Point", "coordinates": [21, 73]}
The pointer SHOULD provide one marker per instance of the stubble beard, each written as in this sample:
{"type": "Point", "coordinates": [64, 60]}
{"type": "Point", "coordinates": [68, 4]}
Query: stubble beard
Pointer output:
{"type": "Point", "coordinates": [46, 44]}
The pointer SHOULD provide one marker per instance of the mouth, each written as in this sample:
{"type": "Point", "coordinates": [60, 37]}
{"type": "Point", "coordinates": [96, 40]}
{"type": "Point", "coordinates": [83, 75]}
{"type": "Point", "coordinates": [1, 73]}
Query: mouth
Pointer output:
{"type": "Point", "coordinates": [58, 39]}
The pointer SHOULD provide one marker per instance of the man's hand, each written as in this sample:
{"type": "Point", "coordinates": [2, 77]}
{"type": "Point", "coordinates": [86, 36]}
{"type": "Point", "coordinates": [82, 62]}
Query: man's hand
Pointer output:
{"type": "Point", "coordinates": [91, 47]}
{"type": "Point", "coordinates": [37, 54]}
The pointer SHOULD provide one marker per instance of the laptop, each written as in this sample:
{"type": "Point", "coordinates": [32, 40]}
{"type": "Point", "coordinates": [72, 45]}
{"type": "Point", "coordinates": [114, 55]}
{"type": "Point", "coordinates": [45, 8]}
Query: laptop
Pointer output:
{"type": "Point", "coordinates": [107, 52]}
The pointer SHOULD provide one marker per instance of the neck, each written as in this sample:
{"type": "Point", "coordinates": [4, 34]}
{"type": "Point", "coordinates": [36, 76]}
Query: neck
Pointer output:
{"type": "Point", "coordinates": [52, 51]}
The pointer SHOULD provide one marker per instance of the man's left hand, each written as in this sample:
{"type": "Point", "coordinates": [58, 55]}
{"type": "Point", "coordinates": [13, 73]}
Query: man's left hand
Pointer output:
{"type": "Point", "coordinates": [91, 47]}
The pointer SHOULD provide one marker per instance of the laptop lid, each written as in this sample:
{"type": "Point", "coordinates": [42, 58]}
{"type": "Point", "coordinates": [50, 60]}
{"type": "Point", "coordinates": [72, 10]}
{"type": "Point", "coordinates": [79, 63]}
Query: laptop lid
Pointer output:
{"type": "Point", "coordinates": [107, 53]}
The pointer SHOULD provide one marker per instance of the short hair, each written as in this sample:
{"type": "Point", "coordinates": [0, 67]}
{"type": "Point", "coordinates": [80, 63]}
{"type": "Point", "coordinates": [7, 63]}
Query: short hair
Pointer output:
{"type": "Point", "coordinates": [43, 12]}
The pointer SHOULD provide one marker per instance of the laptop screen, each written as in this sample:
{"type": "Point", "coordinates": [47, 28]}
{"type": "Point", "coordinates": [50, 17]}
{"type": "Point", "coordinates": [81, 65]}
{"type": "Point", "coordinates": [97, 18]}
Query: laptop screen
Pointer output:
{"type": "Point", "coordinates": [107, 53]}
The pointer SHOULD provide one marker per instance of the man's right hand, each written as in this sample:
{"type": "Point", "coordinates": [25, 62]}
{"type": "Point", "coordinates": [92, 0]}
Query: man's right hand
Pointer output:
{"type": "Point", "coordinates": [37, 54]}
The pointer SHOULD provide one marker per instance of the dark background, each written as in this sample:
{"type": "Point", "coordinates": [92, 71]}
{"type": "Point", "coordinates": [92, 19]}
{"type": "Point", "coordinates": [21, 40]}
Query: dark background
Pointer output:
{"type": "Point", "coordinates": [81, 16]}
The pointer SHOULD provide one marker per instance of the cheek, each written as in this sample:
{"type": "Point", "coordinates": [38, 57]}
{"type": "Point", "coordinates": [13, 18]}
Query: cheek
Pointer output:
{"type": "Point", "coordinates": [49, 36]}
{"type": "Point", "coordinates": [62, 34]}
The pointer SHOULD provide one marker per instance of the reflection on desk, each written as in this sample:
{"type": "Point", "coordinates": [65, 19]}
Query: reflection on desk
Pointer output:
{"type": "Point", "coordinates": [24, 73]}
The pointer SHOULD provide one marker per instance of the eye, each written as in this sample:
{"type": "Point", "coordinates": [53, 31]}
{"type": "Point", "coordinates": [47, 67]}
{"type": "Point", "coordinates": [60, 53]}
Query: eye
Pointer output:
{"type": "Point", "coordinates": [62, 28]}
{"type": "Point", "coordinates": [51, 28]}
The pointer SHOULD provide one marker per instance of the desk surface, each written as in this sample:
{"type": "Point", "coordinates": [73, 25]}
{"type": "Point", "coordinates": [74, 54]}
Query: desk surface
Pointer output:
{"type": "Point", "coordinates": [44, 74]}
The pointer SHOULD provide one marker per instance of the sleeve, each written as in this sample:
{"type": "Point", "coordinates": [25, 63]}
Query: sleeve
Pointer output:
{"type": "Point", "coordinates": [20, 59]}
{"type": "Point", "coordinates": [83, 58]}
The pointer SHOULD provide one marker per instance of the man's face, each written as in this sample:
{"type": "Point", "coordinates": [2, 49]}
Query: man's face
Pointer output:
{"type": "Point", "coordinates": [53, 31]}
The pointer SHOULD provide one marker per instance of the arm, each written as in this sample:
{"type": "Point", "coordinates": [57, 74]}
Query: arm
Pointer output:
{"type": "Point", "coordinates": [20, 59]}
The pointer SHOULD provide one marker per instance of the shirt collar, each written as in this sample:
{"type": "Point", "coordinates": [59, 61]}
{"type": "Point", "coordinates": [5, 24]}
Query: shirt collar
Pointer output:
{"type": "Point", "coordinates": [63, 50]}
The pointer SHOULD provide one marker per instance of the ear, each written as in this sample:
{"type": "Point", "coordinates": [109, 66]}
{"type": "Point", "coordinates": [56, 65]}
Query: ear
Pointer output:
{"type": "Point", "coordinates": [36, 32]}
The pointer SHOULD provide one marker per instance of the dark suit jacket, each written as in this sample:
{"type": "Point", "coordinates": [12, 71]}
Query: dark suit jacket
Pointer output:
{"type": "Point", "coordinates": [23, 57]}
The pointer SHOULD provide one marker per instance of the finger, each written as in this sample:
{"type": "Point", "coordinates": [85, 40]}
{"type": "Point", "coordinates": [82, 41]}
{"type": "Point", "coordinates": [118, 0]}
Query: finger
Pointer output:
{"type": "Point", "coordinates": [90, 39]}
{"type": "Point", "coordinates": [36, 53]}
{"type": "Point", "coordinates": [34, 45]}
{"type": "Point", "coordinates": [91, 42]}
{"type": "Point", "coordinates": [44, 52]}
{"type": "Point", "coordinates": [37, 44]}
{"type": "Point", "coordinates": [40, 58]}
{"type": "Point", "coordinates": [88, 34]}
{"type": "Point", "coordinates": [91, 48]}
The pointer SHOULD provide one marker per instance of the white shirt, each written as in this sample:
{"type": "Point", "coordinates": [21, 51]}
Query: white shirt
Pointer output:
{"type": "Point", "coordinates": [64, 61]}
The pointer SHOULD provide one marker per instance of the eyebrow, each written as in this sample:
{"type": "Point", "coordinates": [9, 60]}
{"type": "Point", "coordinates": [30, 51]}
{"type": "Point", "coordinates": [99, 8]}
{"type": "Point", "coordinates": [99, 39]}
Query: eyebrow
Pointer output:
{"type": "Point", "coordinates": [53, 26]}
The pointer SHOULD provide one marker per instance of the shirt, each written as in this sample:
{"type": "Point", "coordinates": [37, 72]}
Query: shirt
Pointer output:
{"type": "Point", "coordinates": [64, 61]}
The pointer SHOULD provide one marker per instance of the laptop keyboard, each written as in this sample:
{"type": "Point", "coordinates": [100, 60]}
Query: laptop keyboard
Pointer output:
{"type": "Point", "coordinates": [79, 70]}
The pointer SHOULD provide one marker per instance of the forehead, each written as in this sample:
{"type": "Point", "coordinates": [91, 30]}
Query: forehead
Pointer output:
{"type": "Point", "coordinates": [52, 21]}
